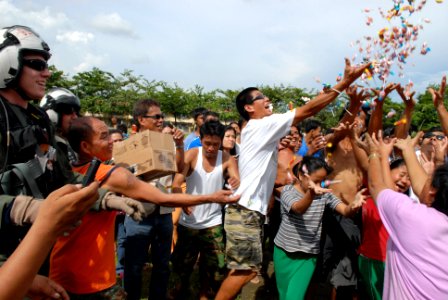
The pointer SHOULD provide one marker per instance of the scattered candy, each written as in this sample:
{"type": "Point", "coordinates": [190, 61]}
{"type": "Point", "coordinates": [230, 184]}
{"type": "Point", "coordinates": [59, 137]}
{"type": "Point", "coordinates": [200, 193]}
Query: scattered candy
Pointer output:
{"type": "Point", "coordinates": [329, 145]}
{"type": "Point", "coordinates": [290, 106]}
{"type": "Point", "coordinates": [391, 113]}
{"type": "Point", "coordinates": [305, 99]}
{"type": "Point", "coordinates": [399, 122]}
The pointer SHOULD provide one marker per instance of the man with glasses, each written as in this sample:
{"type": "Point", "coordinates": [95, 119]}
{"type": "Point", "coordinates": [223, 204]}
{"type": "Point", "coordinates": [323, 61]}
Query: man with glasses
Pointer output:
{"type": "Point", "coordinates": [258, 166]}
{"type": "Point", "coordinates": [156, 229]}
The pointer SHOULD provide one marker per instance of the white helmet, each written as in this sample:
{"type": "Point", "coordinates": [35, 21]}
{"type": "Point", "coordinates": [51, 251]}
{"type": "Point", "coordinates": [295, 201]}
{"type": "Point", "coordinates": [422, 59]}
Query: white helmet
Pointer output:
{"type": "Point", "coordinates": [59, 101]}
{"type": "Point", "coordinates": [14, 42]}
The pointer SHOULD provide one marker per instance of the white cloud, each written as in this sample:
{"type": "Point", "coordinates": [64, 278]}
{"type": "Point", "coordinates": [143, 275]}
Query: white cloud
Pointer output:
{"type": "Point", "coordinates": [90, 61]}
{"type": "Point", "coordinates": [43, 18]}
{"type": "Point", "coordinates": [75, 37]}
{"type": "Point", "coordinates": [113, 24]}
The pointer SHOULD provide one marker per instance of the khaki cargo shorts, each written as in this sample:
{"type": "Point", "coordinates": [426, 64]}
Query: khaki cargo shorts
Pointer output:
{"type": "Point", "coordinates": [243, 229]}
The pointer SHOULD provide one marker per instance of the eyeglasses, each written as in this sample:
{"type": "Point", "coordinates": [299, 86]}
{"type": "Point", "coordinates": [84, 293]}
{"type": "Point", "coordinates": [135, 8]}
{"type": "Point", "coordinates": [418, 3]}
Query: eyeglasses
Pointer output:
{"type": "Point", "coordinates": [429, 135]}
{"type": "Point", "coordinates": [155, 117]}
{"type": "Point", "coordinates": [259, 97]}
{"type": "Point", "coordinates": [36, 64]}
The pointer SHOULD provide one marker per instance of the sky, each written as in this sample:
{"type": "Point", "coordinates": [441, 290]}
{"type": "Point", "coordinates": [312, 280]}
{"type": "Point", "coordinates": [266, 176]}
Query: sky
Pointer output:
{"type": "Point", "coordinates": [226, 44]}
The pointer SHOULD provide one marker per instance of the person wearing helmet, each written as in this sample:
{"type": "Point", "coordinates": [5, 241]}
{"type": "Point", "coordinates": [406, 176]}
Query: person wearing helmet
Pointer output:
{"type": "Point", "coordinates": [62, 106]}
{"type": "Point", "coordinates": [31, 163]}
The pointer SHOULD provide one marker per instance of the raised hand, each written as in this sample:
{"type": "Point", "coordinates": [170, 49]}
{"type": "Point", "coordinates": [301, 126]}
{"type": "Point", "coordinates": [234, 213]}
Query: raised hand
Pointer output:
{"type": "Point", "coordinates": [360, 200]}
{"type": "Point", "coordinates": [351, 73]}
{"type": "Point", "coordinates": [385, 148]}
{"type": "Point", "coordinates": [408, 144]}
{"type": "Point", "coordinates": [317, 189]}
{"type": "Point", "coordinates": [408, 100]}
{"type": "Point", "coordinates": [437, 96]}
{"type": "Point", "coordinates": [356, 95]}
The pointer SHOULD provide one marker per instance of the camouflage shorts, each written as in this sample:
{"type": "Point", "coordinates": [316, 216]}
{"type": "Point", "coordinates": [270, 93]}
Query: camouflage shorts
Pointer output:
{"type": "Point", "coordinates": [115, 292]}
{"type": "Point", "coordinates": [243, 229]}
{"type": "Point", "coordinates": [208, 243]}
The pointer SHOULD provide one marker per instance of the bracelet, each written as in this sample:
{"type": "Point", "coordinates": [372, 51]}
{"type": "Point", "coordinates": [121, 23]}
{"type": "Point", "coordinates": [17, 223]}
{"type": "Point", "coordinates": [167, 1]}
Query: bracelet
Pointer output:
{"type": "Point", "coordinates": [373, 155]}
{"type": "Point", "coordinates": [335, 90]}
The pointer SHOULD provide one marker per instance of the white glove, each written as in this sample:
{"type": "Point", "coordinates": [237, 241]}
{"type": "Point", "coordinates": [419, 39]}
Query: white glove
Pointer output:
{"type": "Point", "coordinates": [24, 210]}
{"type": "Point", "coordinates": [131, 207]}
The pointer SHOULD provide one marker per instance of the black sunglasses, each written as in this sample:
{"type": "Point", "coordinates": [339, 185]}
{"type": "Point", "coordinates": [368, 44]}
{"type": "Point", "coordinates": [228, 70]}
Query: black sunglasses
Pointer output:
{"type": "Point", "coordinates": [429, 135]}
{"type": "Point", "coordinates": [155, 117]}
{"type": "Point", "coordinates": [259, 97]}
{"type": "Point", "coordinates": [36, 64]}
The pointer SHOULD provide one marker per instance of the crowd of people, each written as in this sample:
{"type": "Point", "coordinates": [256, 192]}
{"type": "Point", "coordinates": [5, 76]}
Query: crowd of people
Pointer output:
{"type": "Point", "coordinates": [359, 207]}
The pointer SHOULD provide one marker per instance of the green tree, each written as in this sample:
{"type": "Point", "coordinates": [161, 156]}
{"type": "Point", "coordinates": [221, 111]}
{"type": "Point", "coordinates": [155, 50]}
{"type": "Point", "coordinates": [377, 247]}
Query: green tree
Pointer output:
{"type": "Point", "coordinates": [96, 88]}
{"type": "Point", "coordinates": [58, 79]}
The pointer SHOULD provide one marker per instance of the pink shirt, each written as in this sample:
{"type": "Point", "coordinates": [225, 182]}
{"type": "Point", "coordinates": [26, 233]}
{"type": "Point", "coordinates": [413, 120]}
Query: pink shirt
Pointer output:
{"type": "Point", "coordinates": [417, 251]}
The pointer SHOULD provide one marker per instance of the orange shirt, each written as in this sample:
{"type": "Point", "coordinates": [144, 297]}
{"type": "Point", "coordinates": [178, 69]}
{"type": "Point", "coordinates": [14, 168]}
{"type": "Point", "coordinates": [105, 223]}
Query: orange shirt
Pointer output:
{"type": "Point", "coordinates": [84, 261]}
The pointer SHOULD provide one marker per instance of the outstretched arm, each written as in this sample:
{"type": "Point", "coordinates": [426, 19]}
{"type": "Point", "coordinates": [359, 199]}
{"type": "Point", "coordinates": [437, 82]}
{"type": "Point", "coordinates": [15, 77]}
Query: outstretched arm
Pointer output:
{"type": "Point", "coordinates": [356, 97]}
{"type": "Point", "coordinates": [375, 172]}
{"type": "Point", "coordinates": [124, 182]}
{"type": "Point", "coordinates": [437, 98]}
{"type": "Point", "coordinates": [61, 210]}
{"type": "Point", "coordinates": [351, 73]}
{"type": "Point", "coordinates": [376, 120]}
{"type": "Point", "coordinates": [417, 174]}
{"type": "Point", "coordinates": [402, 129]}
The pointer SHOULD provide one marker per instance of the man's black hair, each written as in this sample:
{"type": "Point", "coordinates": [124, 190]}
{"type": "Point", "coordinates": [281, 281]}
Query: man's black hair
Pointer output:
{"type": "Point", "coordinates": [433, 129]}
{"type": "Point", "coordinates": [141, 108]}
{"type": "Point", "coordinates": [242, 99]}
{"type": "Point", "coordinates": [123, 128]}
{"type": "Point", "coordinates": [210, 113]}
{"type": "Point", "coordinates": [80, 130]}
{"type": "Point", "coordinates": [311, 124]}
{"type": "Point", "coordinates": [212, 128]}
{"type": "Point", "coordinates": [113, 130]}
{"type": "Point", "coordinates": [198, 112]}
{"type": "Point", "coordinates": [389, 131]}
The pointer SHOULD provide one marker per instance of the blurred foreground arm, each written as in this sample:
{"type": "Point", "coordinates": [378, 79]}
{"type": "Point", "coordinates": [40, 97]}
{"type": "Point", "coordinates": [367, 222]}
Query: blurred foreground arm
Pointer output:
{"type": "Point", "coordinates": [58, 213]}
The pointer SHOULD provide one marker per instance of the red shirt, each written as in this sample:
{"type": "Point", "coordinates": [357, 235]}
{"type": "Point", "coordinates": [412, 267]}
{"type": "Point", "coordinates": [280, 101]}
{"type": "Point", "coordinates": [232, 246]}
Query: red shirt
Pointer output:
{"type": "Point", "coordinates": [374, 234]}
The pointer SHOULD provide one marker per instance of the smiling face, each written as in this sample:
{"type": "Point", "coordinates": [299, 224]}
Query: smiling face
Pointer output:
{"type": "Point", "coordinates": [401, 179]}
{"type": "Point", "coordinates": [32, 81]}
{"type": "Point", "coordinates": [259, 106]}
{"type": "Point", "coordinates": [100, 144]}
{"type": "Point", "coordinates": [153, 119]}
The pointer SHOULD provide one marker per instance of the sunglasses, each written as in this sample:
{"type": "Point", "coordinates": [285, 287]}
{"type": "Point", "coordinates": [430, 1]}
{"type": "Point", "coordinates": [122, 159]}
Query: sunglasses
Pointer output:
{"type": "Point", "coordinates": [155, 117]}
{"type": "Point", "coordinates": [429, 135]}
{"type": "Point", "coordinates": [36, 64]}
{"type": "Point", "coordinates": [259, 97]}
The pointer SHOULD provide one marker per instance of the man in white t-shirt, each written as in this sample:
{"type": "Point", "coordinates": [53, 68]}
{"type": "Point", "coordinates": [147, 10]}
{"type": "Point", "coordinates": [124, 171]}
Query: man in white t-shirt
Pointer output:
{"type": "Point", "coordinates": [258, 166]}
{"type": "Point", "coordinates": [200, 230]}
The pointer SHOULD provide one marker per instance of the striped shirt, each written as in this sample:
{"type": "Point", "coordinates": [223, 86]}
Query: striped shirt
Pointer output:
{"type": "Point", "coordinates": [301, 232]}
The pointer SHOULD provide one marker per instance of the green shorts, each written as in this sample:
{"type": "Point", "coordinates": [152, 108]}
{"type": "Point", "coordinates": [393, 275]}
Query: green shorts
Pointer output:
{"type": "Point", "coordinates": [243, 229]}
{"type": "Point", "coordinates": [372, 274]}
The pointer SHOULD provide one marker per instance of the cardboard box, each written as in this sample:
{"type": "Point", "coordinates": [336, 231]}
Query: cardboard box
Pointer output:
{"type": "Point", "coordinates": [150, 154]}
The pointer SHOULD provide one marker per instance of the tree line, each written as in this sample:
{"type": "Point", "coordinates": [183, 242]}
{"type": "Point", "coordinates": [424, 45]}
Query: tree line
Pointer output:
{"type": "Point", "coordinates": [106, 94]}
